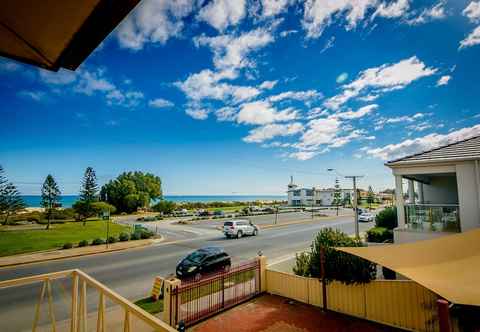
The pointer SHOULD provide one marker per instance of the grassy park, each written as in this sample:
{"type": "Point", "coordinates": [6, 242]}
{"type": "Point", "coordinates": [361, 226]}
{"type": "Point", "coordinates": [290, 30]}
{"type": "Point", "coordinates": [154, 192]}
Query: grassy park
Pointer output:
{"type": "Point", "coordinates": [30, 240]}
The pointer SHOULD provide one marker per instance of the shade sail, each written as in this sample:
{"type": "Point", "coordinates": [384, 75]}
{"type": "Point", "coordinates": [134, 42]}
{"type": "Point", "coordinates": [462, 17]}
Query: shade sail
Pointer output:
{"type": "Point", "coordinates": [449, 265]}
{"type": "Point", "coordinates": [57, 33]}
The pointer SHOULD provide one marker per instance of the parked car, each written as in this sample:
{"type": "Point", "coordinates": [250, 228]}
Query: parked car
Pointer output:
{"type": "Point", "coordinates": [218, 213]}
{"type": "Point", "coordinates": [366, 217]}
{"type": "Point", "coordinates": [239, 228]}
{"type": "Point", "coordinates": [201, 261]}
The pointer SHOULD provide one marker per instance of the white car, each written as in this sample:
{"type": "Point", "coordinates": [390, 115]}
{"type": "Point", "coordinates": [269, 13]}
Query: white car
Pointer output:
{"type": "Point", "coordinates": [239, 228]}
{"type": "Point", "coordinates": [366, 217]}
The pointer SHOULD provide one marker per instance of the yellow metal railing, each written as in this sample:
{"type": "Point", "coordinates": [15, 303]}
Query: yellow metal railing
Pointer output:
{"type": "Point", "coordinates": [79, 308]}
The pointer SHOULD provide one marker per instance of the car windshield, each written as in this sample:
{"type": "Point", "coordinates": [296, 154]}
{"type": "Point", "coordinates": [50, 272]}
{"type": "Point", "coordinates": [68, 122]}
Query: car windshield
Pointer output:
{"type": "Point", "coordinates": [228, 223]}
{"type": "Point", "coordinates": [196, 256]}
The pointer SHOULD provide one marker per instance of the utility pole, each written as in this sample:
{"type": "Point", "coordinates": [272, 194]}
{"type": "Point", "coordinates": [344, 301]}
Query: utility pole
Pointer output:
{"type": "Point", "coordinates": [354, 204]}
{"type": "Point", "coordinates": [355, 208]}
{"type": "Point", "coordinates": [313, 199]}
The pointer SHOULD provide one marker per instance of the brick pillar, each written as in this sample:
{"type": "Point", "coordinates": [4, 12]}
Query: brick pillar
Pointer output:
{"type": "Point", "coordinates": [169, 303]}
{"type": "Point", "coordinates": [262, 260]}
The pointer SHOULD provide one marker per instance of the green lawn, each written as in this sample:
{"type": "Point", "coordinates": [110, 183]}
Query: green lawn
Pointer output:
{"type": "Point", "coordinates": [150, 306]}
{"type": "Point", "coordinates": [24, 241]}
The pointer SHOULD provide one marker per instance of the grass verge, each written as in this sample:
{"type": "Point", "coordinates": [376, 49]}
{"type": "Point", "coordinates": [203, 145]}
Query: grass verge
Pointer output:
{"type": "Point", "coordinates": [151, 306]}
{"type": "Point", "coordinates": [24, 241]}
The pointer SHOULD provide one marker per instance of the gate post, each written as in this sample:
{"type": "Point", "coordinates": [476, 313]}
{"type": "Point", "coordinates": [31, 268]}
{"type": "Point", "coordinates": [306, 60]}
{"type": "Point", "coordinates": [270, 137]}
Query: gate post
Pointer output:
{"type": "Point", "coordinates": [262, 261]}
{"type": "Point", "coordinates": [444, 316]}
{"type": "Point", "coordinates": [170, 305]}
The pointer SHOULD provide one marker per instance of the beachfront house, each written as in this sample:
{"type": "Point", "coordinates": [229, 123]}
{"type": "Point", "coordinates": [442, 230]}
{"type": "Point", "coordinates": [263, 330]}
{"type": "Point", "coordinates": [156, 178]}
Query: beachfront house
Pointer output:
{"type": "Point", "coordinates": [315, 196]}
{"type": "Point", "coordinates": [437, 192]}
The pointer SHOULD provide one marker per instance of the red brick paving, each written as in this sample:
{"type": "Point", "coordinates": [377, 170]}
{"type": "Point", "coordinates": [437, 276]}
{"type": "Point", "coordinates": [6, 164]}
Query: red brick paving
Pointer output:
{"type": "Point", "coordinates": [270, 313]}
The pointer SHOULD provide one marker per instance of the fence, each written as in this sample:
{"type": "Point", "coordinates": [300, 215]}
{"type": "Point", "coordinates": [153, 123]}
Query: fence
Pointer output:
{"type": "Point", "coordinates": [191, 301]}
{"type": "Point", "coordinates": [76, 305]}
{"type": "Point", "coordinates": [399, 303]}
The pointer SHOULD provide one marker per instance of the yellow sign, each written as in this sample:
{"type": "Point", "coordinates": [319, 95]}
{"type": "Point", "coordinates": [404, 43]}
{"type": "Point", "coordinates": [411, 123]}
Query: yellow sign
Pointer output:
{"type": "Point", "coordinates": [157, 288]}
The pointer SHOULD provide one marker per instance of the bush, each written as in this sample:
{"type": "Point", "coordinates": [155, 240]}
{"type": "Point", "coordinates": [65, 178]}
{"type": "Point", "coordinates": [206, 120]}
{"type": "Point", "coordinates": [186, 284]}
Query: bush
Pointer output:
{"type": "Point", "coordinates": [379, 235]}
{"type": "Point", "coordinates": [340, 266]}
{"type": "Point", "coordinates": [63, 214]}
{"type": "Point", "coordinates": [112, 239]}
{"type": "Point", "coordinates": [68, 245]}
{"type": "Point", "coordinates": [83, 243]}
{"type": "Point", "coordinates": [124, 237]}
{"type": "Point", "coordinates": [146, 234]}
{"type": "Point", "coordinates": [45, 221]}
{"type": "Point", "coordinates": [135, 236]}
{"type": "Point", "coordinates": [97, 241]}
{"type": "Point", "coordinates": [387, 218]}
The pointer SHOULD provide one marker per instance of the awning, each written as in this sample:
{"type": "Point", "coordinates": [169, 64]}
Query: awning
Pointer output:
{"type": "Point", "coordinates": [448, 266]}
{"type": "Point", "coordinates": [57, 33]}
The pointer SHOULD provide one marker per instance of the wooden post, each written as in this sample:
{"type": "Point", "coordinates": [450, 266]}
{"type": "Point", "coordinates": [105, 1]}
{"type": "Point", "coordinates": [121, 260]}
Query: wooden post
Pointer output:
{"type": "Point", "coordinates": [83, 308]}
{"type": "Point", "coordinates": [126, 322]}
{"type": "Point", "coordinates": [73, 322]}
{"type": "Point", "coordinates": [37, 307]}
{"type": "Point", "coordinates": [101, 313]}
{"type": "Point", "coordinates": [444, 316]}
{"type": "Point", "coordinates": [50, 306]}
{"type": "Point", "coordinates": [322, 276]}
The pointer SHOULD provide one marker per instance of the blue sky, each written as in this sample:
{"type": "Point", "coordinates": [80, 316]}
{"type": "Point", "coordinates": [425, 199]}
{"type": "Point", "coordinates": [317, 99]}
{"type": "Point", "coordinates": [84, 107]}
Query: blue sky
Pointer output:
{"type": "Point", "coordinates": [222, 97]}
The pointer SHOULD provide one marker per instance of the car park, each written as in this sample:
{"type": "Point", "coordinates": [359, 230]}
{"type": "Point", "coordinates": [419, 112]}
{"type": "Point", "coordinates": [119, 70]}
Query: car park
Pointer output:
{"type": "Point", "coordinates": [239, 228]}
{"type": "Point", "coordinates": [203, 261]}
{"type": "Point", "coordinates": [366, 217]}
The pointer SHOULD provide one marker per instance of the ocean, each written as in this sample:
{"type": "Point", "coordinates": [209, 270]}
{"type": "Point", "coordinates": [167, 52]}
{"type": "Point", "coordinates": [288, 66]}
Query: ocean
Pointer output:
{"type": "Point", "coordinates": [68, 200]}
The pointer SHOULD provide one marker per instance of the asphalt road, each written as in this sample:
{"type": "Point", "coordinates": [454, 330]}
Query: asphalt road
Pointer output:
{"type": "Point", "coordinates": [131, 272]}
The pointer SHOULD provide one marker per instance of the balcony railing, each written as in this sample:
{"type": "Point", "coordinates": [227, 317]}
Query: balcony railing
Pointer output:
{"type": "Point", "coordinates": [433, 217]}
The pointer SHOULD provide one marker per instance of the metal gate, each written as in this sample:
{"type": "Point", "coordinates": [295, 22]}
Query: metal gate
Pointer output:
{"type": "Point", "coordinates": [197, 299]}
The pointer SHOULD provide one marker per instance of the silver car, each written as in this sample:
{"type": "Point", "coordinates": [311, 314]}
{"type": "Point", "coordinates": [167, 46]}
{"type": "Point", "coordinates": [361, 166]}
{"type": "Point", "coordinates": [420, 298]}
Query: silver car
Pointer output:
{"type": "Point", "coordinates": [366, 217]}
{"type": "Point", "coordinates": [239, 228]}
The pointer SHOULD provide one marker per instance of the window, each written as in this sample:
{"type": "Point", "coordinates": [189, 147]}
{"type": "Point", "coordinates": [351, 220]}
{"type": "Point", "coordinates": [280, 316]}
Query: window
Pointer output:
{"type": "Point", "coordinates": [296, 193]}
{"type": "Point", "coordinates": [308, 192]}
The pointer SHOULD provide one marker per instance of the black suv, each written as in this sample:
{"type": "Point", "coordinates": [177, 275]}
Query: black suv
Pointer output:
{"type": "Point", "coordinates": [202, 261]}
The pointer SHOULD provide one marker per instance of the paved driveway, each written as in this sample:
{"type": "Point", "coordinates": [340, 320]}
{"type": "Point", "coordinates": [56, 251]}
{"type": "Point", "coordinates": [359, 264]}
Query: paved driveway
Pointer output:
{"type": "Point", "coordinates": [270, 313]}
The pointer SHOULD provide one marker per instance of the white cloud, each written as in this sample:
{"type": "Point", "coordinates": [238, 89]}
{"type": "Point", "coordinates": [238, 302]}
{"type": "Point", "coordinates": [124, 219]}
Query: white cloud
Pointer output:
{"type": "Point", "coordinates": [472, 39]}
{"type": "Point", "coordinates": [262, 112]}
{"type": "Point", "coordinates": [34, 95]}
{"type": "Point", "coordinates": [392, 9]}
{"type": "Point", "coordinates": [420, 126]}
{"type": "Point", "coordinates": [233, 52]}
{"type": "Point", "coordinates": [221, 14]}
{"type": "Point", "coordinates": [62, 77]}
{"type": "Point", "coordinates": [286, 33]}
{"type": "Point", "coordinates": [198, 113]}
{"type": "Point", "coordinates": [274, 7]}
{"type": "Point", "coordinates": [472, 11]}
{"type": "Point", "coordinates": [160, 103]}
{"type": "Point", "coordinates": [91, 82]}
{"type": "Point", "coordinates": [361, 112]}
{"type": "Point", "coordinates": [303, 155]}
{"type": "Point", "coordinates": [9, 66]}
{"type": "Point", "coordinates": [226, 114]}
{"type": "Point", "coordinates": [267, 85]}
{"type": "Point", "coordinates": [380, 123]}
{"type": "Point", "coordinates": [444, 80]}
{"type": "Point", "coordinates": [435, 12]}
{"type": "Point", "coordinates": [269, 131]}
{"type": "Point", "coordinates": [153, 21]}
{"type": "Point", "coordinates": [320, 132]}
{"type": "Point", "coordinates": [127, 99]}
{"type": "Point", "coordinates": [385, 78]}
{"type": "Point", "coordinates": [318, 14]}
{"type": "Point", "coordinates": [342, 78]}
{"type": "Point", "coordinates": [329, 44]}
{"type": "Point", "coordinates": [306, 96]}
{"type": "Point", "coordinates": [431, 141]}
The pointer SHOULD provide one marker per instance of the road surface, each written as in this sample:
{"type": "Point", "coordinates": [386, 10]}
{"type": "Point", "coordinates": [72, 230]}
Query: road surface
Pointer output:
{"type": "Point", "coordinates": [131, 272]}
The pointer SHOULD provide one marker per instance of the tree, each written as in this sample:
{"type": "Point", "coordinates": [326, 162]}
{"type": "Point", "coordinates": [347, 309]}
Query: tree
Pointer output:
{"type": "Point", "coordinates": [10, 200]}
{"type": "Point", "coordinates": [165, 207]}
{"type": "Point", "coordinates": [132, 190]}
{"type": "Point", "coordinates": [88, 195]}
{"type": "Point", "coordinates": [50, 197]}
{"type": "Point", "coordinates": [339, 266]}
{"type": "Point", "coordinates": [370, 197]}
{"type": "Point", "coordinates": [337, 194]}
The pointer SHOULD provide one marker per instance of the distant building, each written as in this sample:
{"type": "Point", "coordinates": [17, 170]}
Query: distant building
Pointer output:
{"type": "Point", "coordinates": [313, 196]}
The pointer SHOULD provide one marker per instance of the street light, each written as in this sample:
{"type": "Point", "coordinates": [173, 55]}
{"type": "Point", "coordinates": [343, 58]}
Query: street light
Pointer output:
{"type": "Point", "coordinates": [354, 203]}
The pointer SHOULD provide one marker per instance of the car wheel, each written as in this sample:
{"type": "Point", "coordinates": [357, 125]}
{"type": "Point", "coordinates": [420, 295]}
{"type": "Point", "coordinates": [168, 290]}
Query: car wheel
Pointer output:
{"type": "Point", "coordinates": [239, 234]}
{"type": "Point", "coordinates": [255, 232]}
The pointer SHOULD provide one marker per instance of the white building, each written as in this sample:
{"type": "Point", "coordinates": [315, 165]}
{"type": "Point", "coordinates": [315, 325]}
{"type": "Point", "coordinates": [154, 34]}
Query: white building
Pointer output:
{"type": "Point", "coordinates": [313, 196]}
{"type": "Point", "coordinates": [443, 191]}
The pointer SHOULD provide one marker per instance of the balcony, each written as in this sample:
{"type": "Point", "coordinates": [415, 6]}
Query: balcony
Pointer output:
{"type": "Point", "coordinates": [432, 217]}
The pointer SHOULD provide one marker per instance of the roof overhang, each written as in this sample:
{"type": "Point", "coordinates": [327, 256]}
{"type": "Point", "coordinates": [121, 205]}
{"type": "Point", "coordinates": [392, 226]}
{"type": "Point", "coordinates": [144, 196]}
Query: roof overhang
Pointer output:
{"type": "Point", "coordinates": [448, 266]}
{"type": "Point", "coordinates": [55, 34]}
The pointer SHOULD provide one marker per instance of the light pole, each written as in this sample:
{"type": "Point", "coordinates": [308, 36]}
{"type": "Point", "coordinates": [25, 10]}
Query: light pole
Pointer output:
{"type": "Point", "coordinates": [313, 199]}
{"type": "Point", "coordinates": [354, 203]}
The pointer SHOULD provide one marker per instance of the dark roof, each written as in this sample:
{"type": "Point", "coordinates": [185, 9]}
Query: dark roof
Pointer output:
{"type": "Point", "coordinates": [467, 149]}
{"type": "Point", "coordinates": [57, 34]}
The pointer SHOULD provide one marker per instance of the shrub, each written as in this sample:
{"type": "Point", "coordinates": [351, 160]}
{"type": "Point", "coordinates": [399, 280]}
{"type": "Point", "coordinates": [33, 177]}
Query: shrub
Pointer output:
{"type": "Point", "coordinates": [302, 264]}
{"type": "Point", "coordinates": [146, 234]}
{"type": "Point", "coordinates": [44, 222]}
{"type": "Point", "coordinates": [379, 235]}
{"type": "Point", "coordinates": [388, 274]}
{"type": "Point", "coordinates": [97, 241]}
{"type": "Point", "coordinates": [112, 239]}
{"type": "Point", "coordinates": [135, 236]}
{"type": "Point", "coordinates": [339, 266]}
{"type": "Point", "coordinates": [68, 245]}
{"type": "Point", "coordinates": [83, 243]}
{"type": "Point", "coordinates": [63, 214]}
{"type": "Point", "coordinates": [124, 237]}
{"type": "Point", "coordinates": [387, 218]}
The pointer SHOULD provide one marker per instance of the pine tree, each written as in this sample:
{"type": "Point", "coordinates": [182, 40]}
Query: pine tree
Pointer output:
{"type": "Point", "coordinates": [50, 197]}
{"type": "Point", "coordinates": [88, 195]}
{"type": "Point", "coordinates": [10, 200]}
{"type": "Point", "coordinates": [370, 197]}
